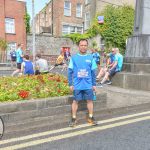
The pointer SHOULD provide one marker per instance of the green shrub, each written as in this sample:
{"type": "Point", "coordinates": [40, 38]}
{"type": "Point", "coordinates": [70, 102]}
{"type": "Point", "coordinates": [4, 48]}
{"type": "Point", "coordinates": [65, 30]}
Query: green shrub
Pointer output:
{"type": "Point", "coordinates": [117, 26]}
{"type": "Point", "coordinates": [32, 87]}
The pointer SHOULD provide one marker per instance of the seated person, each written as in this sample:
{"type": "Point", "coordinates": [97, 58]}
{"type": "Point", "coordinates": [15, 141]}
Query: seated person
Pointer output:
{"type": "Point", "coordinates": [27, 66]}
{"type": "Point", "coordinates": [109, 63]}
{"type": "Point", "coordinates": [59, 61]}
{"type": "Point", "coordinates": [41, 65]}
{"type": "Point", "coordinates": [116, 66]}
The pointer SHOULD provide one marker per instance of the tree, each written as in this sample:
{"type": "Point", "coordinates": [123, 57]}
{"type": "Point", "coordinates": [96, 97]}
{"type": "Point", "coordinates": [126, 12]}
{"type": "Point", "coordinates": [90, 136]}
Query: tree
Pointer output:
{"type": "Point", "coordinates": [117, 26]}
{"type": "Point", "coordinates": [27, 22]}
{"type": "Point", "coordinates": [3, 47]}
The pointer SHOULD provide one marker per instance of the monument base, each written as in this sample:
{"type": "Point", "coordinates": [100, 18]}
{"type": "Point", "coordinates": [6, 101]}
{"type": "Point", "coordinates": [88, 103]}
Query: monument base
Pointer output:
{"type": "Point", "coordinates": [135, 60]}
{"type": "Point", "coordinates": [138, 49]}
{"type": "Point", "coordinates": [136, 68]}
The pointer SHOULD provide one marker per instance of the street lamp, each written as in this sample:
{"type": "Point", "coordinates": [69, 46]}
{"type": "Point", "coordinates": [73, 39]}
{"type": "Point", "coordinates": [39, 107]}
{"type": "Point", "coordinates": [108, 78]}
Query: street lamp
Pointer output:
{"type": "Point", "coordinates": [33, 31]}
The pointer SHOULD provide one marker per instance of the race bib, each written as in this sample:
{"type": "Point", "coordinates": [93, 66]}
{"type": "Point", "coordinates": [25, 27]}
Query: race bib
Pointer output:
{"type": "Point", "coordinates": [82, 73]}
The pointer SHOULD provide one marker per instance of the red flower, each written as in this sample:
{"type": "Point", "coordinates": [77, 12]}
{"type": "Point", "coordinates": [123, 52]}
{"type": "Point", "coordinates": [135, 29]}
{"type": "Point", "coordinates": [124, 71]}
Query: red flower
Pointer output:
{"type": "Point", "coordinates": [23, 94]}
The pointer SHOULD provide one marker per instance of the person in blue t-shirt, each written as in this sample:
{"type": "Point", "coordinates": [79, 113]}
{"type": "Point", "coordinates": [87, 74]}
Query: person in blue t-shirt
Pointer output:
{"type": "Point", "coordinates": [116, 67]}
{"type": "Point", "coordinates": [27, 66]}
{"type": "Point", "coordinates": [109, 63]}
{"type": "Point", "coordinates": [82, 80]}
{"type": "Point", "coordinates": [96, 57]}
{"type": "Point", "coordinates": [19, 59]}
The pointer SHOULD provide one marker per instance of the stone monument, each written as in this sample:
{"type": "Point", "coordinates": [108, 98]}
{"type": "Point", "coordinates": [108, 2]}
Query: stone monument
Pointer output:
{"type": "Point", "coordinates": [138, 46]}
{"type": "Point", "coordinates": [136, 69]}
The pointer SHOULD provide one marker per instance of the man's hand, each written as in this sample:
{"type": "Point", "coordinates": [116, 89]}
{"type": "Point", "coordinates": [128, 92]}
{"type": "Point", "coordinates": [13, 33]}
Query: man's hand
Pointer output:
{"type": "Point", "coordinates": [94, 88]}
{"type": "Point", "coordinates": [71, 88]}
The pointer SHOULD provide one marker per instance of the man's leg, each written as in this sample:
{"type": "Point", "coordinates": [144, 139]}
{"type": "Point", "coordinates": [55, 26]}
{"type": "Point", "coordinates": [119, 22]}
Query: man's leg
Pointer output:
{"type": "Point", "coordinates": [90, 107]}
{"type": "Point", "coordinates": [88, 94]}
{"type": "Point", "coordinates": [73, 121]}
{"type": "Point", "coordinates": [106, 77]}
{"type": "Point", "coordinates": [101, 73]}
{"type": "Point", "coordinates": [52, 68]}
{"type": "Point", "coordinates": [74, 109]}
{"type": "Point", "coordinates": [15, 72]}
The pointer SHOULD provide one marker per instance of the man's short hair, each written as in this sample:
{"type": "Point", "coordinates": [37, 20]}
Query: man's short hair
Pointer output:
{"type": "Point", "coordinates": [26, 57]}
{"type": "Point", "coordinates": [19, 44]}
{"type": "Point", "coordinates": [82, 40]}
{"type": "Point", "coordinates": [38, 55]}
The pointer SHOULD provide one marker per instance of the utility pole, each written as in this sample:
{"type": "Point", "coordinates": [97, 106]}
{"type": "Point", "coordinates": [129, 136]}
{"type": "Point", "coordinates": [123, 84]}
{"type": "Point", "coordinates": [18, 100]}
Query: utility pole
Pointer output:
{"type": "Point", "coordinates": [33, 31]}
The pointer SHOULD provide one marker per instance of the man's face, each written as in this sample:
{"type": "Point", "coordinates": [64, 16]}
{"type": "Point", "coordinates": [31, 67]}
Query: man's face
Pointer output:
{"type": "Point", "coordinates": [113, 51]}
{"type": "Point", "coordinates": [83, 45]}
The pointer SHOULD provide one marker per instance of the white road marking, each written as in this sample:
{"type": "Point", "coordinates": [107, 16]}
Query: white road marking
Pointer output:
{"type": "Point", "coordinates": [69, 135]}
{"type": "Point", "coordinates": [69, 129]}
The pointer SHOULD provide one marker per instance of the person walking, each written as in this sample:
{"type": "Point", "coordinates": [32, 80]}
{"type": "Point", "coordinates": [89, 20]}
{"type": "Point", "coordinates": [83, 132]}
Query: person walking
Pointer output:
{"type": "Point", "coordinates": [82, 81]}
{"type": "Point", "coordinates": [19, 59]}
{"type": "Point", "coordinates": [13, 58]}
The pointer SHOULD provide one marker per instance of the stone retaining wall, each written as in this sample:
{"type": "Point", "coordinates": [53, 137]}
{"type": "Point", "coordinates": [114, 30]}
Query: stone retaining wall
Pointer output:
{"type": "Point", "coordinates": [21, 115]}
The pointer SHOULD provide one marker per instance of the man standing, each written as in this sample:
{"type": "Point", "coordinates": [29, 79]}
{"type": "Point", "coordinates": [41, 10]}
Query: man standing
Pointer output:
{"type": "Point", "coordinates": [82, 81]}
{"type": "Point", "coordinates": [19, 59]}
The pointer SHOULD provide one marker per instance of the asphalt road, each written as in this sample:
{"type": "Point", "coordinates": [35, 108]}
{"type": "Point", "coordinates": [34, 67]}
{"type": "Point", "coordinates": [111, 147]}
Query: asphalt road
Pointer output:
{"type": "Point", "coordinates": [130, 132]}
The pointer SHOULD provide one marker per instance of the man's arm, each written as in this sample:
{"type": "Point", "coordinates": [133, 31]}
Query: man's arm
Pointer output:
{"type": "Point", "coordinates": [93, 74]}
{"type": "Point", "coordinates": [70, 74]}
{"type": "Point", "coordinates": [115, 62]}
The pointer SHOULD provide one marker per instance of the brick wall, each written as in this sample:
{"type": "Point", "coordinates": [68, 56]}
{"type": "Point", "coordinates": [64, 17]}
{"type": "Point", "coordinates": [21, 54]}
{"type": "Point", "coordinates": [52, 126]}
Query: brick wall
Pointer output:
{"type": "Point", "coordinates": [16, 10]}
{"type": "Point", "coordinates": [59, 17]}
{"type": "Point", "coordinates": [2, 21]}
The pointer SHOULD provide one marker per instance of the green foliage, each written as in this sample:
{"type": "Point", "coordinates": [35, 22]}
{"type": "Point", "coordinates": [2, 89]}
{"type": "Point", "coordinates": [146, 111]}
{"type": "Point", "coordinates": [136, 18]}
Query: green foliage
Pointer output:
{"type": "Point", "coordinates": [117, 26]}
{"type": "Point", "coordinates": [33, 87]}
{"type": "Point", "coordinates": [3, 44]}
{"type": "Point", "coordinates": [27, 22]}
{"type": "Point", "coordinates": [76, 37]}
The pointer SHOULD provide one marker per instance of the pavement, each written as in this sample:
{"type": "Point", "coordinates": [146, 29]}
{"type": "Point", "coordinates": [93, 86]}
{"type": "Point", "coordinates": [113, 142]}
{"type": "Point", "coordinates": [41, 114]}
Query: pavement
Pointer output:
{"type": "Point", "coordinates": [119, 97]}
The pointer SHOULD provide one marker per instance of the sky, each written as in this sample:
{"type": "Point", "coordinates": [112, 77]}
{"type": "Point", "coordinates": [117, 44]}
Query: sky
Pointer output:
{"type": "Point", "coordinates": [38, 4]}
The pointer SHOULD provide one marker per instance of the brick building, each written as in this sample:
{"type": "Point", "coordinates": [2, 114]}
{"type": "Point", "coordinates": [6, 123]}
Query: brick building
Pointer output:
{"type": "Point", "coordinates": [61, 17]}
{"type": "Point", "coordinates": [12, 25]}
{"type": "Point", "coordinates": [94, 6]}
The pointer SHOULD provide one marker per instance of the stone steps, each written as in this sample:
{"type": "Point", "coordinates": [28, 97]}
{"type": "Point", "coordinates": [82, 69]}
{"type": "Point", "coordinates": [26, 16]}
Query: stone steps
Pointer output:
{"type": "Point", "coordinates": [136, 68]}
{"type": "Point", "coordinates": [129, 80]}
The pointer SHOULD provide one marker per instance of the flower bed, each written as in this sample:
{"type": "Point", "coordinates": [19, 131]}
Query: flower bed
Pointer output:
{"type": "Point", "coordinates": [32, 87]}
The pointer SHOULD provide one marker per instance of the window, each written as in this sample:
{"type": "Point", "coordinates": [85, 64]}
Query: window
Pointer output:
{"type": "Point", "coordinates": [79, 10]}
{"type": "Point", "coordinates": [72, 29]}
{"type": "Point", "coordinates": [68, 29]}
{"type": "Point", "coordinates": [79, 29]}
{"type": "Point", "coordinates": [9, 25]}
{"type": "Point", "coordinates": [12, 46]}
{"type": "Point", "coordinates": [87, 20]}
{"type": "Point", "coordinates": [87, 1]}
{"type": "Point", "coordinates": [67, 8]}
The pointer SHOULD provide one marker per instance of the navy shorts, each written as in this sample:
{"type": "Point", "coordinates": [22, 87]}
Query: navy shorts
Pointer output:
{"type": "Point", "coordinates": [112, 72]}
{"type": "Point", "coordinates": [83, 95]}
{"type": "Point", "coordinates": [98, 62]}
{"type": "Point", "coordinates": [18, 65]}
